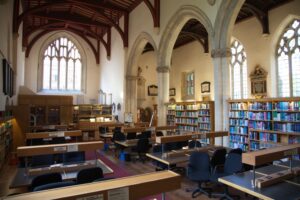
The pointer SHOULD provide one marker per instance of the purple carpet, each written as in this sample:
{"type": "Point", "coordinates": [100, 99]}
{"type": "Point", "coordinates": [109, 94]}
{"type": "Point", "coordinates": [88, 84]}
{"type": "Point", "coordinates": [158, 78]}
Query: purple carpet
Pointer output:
{"type": "Point", "coordinates": [118, 171]}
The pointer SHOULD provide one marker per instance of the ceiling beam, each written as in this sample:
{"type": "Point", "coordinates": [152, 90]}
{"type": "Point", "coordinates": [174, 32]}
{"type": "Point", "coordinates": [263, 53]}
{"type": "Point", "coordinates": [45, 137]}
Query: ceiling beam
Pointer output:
{"type": "Point", "coordinates": [154, 10]}
{"type": "Point", "coordinates": [261, 15]}
{"type": "Point", "coordinates": [74, 19]}
{"type": "Point", "coordinates": [101, 5]}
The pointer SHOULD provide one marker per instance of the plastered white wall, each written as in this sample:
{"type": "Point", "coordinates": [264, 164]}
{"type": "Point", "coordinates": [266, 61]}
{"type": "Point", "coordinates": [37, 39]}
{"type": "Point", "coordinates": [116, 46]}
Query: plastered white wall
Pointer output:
{"type": "Point", "coordinates": [191, 57]}
{"type": "Point", "coordinates": [260, 49]}
{"type": "Point", "coordinates": [147, 62]}
{"type": "Point", "coordinates": [92, 80]}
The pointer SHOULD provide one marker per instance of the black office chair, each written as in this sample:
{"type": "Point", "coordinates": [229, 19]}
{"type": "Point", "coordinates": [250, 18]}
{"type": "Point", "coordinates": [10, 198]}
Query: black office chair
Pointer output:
{"type": "Point", "coordinates": [53, 185]}
{"type": "Point", "coordinates": [58, 140]}
{"type": "Point", "coordinates": [198, 170]}
{"type": "Point", "coordinates": [45, 179]}
{"type": "Point", "coordinates": [233, 164]}
{"type": "Point", "coordinates": [118, 136]}
{"type": "Point", "coordinates": [146, 134]}
{"type": "Point", "coordinates": [194, 143]}
{"type": "Point", "coordinates": [218, 159]}
{"type": "Point", "coordinates": [74, 157]}
{"type": "Point", "coordinates": [159, 134]}
{"type": "Point", "coordinates": [237, 150]}
{"type": "Point", "coordinates": [89, 175]}
{"type": "Point", "coordinates": [103, 130]}
{"type": "Point", "coordinates": [131, 136]}
{"type": "Point", "coordinates": [42, 160]}
{"type": "Point", "coordinates": [141, 148]}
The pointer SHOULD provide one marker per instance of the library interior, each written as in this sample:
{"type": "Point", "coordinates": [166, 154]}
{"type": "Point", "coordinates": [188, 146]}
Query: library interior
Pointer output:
{"type": "Point", "coordinates": [150, 99]}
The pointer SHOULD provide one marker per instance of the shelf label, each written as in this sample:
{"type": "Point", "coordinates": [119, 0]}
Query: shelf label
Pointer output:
{"type": "Point", "coordinates": [62, 148]}
{"type": "Point", "coordinates": [119, 194]}
{"type": "Point", "coordinates": [72, 148]}
{"type": "Point", "coordinates": [93, 197]}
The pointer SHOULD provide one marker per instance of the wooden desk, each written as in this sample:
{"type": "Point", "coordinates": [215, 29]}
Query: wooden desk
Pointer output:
{"type": "Point", "coordinates": [133, 129]}
{"type": "Point", "coordinates": [42, 135]}
{"type": "Point", "coordinates": [180, 156]}
{"type": "Point", "coordinates": [190, 136]}
{"type": "Point", "coordinates": [23, 179]}
{"type": "Point", "coordinates": [132, 143]}
{"type": "Point", "coordinates": [261, 157]}
{"type": "Point", "coordinates": [137, 186]}
{"type": "Point", "coordinates": [287, 190]}
{"type": "Point", "coordinates": [58, 148]}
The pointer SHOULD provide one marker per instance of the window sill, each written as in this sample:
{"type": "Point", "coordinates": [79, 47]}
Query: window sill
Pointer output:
{"type": "Point", "coordinates": [60, 92]}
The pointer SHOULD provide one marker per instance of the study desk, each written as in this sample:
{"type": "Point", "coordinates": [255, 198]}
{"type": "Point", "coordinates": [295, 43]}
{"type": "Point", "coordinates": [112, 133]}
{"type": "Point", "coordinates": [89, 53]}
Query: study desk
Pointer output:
{"type": "Point", "coordinates": [287, 190]}
{"type": "Point", "coordinates": [54, 134]}
{"type": "Point", "coordinates": [132, 187]}
{"type": "Point", "coordinates": [24, 179]}
{"type": "Point", "coordinates": [180, 156]}
{"type": "Point", "coordinates": [132, 143]}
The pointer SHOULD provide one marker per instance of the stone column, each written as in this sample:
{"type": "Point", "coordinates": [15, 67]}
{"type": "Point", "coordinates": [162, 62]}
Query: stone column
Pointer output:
{"type": "Point", "coordinates": [131, 96]}
{"type": "Point", "coordinates": [222, 90]}
{"type": "Point", "coordinates": [163, 74]}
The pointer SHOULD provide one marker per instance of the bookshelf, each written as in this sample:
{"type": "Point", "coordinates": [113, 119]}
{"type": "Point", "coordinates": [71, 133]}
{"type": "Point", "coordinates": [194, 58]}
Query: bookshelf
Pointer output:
{"type": "Point", "coordinates": [92, 112]}
{"type": "Point", "coordinates": [6, 135]}
{"type": "Point", "coordinates": [264, 123]}
{"type": "Point", "coordinates": [195, 116]}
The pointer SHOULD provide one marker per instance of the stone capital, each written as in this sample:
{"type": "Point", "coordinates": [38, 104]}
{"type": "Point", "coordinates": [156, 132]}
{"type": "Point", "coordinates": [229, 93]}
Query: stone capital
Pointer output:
{"type": "Point", "coordinates": [221, 53]}
{"type": "Point", "coordinates": [163, 69]}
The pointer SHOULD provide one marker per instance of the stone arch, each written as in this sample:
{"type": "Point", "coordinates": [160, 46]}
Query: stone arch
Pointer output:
{"type": "Point", "coordinates": [274, 42]}
{"type": "Point", "coordinates": [131, 69]}
{"type": "Point", "coordinates": [79, 46]}
{"type": "Point", "coordinates": [172, 30]}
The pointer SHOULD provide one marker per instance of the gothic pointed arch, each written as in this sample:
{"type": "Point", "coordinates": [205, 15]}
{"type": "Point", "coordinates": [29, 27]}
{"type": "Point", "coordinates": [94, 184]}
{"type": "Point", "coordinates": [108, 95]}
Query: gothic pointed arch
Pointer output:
{"type": "Point", "coordinates": [175, 24]}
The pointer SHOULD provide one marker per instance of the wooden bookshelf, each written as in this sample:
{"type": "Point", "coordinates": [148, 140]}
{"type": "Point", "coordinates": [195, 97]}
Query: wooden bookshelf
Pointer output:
{"type": "Point", "coordinates": [197, 116]}
{"type": "Point", "coordinates": [264, 123]}
{"type": "Point", "coordinates": [96, 112]}
{"type": "Point", "coordinates": [6, 138]}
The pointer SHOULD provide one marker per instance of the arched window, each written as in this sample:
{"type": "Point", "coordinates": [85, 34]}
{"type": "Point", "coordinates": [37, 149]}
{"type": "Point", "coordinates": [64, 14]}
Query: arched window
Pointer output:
{"type": "Point", "coordinates": [238, 68]}
{"type": "Point", "coordinates": [62, 67]}
{"type": "Point", "coordinates": [288, 61]}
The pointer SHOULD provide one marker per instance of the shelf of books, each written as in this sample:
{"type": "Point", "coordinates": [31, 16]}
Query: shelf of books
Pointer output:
{"type": "Point", "coordinates": [264, 123]}
{"type": "Point", "coordinates": [92, 112]}
{"type": "Point", "coordinates": [197, 116]}
{"type": "Point", "coordinates": [6, 135]}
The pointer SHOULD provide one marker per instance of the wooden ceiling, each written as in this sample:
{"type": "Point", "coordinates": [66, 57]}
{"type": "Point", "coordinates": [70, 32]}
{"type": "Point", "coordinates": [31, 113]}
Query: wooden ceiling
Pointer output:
{"type": "Point", "coordinates": [90, 19]}
{"type": "Point", "coordinates": [193, 30]}
{"type": "Point", "coordinates": [93, 19]}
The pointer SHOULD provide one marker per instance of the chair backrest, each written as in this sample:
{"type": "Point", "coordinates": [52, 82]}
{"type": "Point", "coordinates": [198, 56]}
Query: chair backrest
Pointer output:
{"type": "Point", "coordinates": [102, 129]}
{"type": "Point", "coordinates": [73, 157]}
{"type": "Point", "coordinates": [156, 148]}
{"type": "Point", "coordinates": [53, 185]}
{"type": "Point", "coordinates": [194, 143]}
{"type": "Point", "coordinates": [159, 134]}
{"type": "Point", "coordinates": [131, 136]}
{"type": "Point", "coordinates": [118, 136]}
{"type": "Point", "coordinates": [233, 163]}
{"type": "Point", "coordinates": [58, 140]}
{"type": "Point", "coordinates": [142, 145]}
{"type": "Point", "coordinates": [146, 134]}
{"type": "Point", "coordinates": [89, 175]}
{"type": "Point", "coordinates": [45, 179]}
{"type": "Point", "coordinates": [218, 157]}
{"type": "Point", "coordinates": [41, 160]}
{"type": "Point", "coordinates": [171, 146]}
{"type": "Point", "coordinates": [199, 166]}
{"type": "Point", "coordinates": [237, 150]}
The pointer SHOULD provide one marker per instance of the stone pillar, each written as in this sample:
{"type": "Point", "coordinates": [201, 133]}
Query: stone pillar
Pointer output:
{"type": "Point", "coordinates": [222, 90]}
{"type": "Point", "coordinates": [163, 74]}
{"type": "Point", "coordinates": [131, 96]}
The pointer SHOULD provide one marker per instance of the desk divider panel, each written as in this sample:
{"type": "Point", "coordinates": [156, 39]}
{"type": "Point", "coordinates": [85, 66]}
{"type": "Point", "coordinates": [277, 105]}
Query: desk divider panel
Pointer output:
{"type": "Point", "coordinates": [264, 156]}
{"type": "Point", "coordinates": [132, 187]}
{"type": "Point", "coordinates": [38, 135]}
{"type": "Point", "coordinates": [58, 148]}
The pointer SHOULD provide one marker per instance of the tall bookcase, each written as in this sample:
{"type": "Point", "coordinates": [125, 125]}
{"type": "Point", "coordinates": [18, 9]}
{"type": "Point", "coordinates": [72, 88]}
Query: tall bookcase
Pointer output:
{"type": "Point", "coordinates": [264, 123]}
{"type": "Point", "coordinates": [96, 112]}
{"type": "Point", "coordinates": [192, 116]}
{"type": "Point", "coordinates": [6, 135]}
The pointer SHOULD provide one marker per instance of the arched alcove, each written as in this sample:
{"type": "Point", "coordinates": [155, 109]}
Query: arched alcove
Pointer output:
{"type": "Point", "coordinates": [132, 68]}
